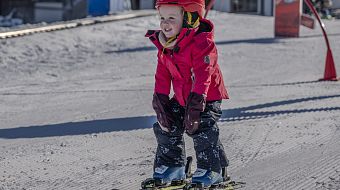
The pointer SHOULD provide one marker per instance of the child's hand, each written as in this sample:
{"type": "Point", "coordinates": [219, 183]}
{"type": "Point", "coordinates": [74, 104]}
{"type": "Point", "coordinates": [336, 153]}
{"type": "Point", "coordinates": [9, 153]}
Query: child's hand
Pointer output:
{"type": "Point", "coordinates": [192, 118]}
{"type": "Point", "coordinates": [161, 105]}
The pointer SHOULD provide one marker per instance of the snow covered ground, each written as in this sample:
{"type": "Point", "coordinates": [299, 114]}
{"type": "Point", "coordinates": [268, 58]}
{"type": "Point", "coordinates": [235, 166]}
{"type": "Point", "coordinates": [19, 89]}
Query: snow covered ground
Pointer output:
{"type": "Point", "coordinates": [75, 109]}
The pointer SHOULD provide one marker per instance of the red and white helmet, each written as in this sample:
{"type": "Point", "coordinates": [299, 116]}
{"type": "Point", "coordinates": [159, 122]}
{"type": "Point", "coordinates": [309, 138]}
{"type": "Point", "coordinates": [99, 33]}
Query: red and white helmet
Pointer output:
{"type": "Point", "coordinates": [188, 5]}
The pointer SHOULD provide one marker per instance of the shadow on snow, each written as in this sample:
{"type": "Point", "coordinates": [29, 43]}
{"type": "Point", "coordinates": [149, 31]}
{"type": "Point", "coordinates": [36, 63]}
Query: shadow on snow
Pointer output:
{"type": "Point", "coordinates": [246, 113]}
{"type": "Point", "coordinates": [133, 123]}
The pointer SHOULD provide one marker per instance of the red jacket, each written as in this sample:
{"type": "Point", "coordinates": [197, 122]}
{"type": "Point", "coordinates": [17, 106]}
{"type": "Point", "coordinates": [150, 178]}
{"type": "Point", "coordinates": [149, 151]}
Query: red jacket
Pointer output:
{"type": "Point", "coordinates": [191, 65]}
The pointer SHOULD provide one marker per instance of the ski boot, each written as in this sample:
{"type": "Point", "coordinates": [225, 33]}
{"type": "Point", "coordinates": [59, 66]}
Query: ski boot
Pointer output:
{"type": "Point", "coordinates": [209, 180]}
{"type": "Point", "coordinates": [205, 179]}
{"type": "Point", "coordinates": [168, 177]}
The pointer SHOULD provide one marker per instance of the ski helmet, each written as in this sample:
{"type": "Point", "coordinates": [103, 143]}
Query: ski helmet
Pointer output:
{"type": "Point", "coordinates": [188, 5]}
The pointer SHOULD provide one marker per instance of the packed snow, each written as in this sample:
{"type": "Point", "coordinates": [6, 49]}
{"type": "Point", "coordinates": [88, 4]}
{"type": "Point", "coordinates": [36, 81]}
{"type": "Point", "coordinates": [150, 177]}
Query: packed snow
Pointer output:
{"type": "Point", "coordinates": [75, 106]}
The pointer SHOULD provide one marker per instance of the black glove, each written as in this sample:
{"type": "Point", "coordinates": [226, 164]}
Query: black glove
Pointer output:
{"type": "Point", "coordinates": [161, 105]}
{"type": "Point", "coordinates": [195, 105]}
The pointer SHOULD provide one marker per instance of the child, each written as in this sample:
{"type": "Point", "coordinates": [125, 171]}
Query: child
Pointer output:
{"type": "Point", "coordinates": [187, 59]}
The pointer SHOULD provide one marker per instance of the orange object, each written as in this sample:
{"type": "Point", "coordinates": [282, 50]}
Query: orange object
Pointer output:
{"type": "Point", "coordinates": [288, 18]}
{"type": "Point", "coordinates": [330, 72]}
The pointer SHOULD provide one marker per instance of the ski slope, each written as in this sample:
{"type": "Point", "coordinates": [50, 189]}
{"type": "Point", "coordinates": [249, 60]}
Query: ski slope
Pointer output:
{"type": "Point", "coordinates": [75, 106]}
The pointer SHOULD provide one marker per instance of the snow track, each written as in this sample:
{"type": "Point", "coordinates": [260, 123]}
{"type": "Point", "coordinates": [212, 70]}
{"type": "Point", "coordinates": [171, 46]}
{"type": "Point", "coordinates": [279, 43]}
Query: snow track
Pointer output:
{"type": "Point", "coordinates": [75, 106]}
{"type": "Point", "coordinates": [74, 24]}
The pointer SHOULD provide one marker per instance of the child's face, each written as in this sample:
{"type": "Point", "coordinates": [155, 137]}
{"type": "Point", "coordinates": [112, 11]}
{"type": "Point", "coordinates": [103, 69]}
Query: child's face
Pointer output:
{"type": "Point", "coordinates": [171, 20]}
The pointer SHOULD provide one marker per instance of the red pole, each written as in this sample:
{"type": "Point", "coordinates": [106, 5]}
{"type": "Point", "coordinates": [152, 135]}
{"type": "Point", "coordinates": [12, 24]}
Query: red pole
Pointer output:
{"type": "Point", "coordinates": [211, 3]}
{"type": "Point", "coordinates": [330, 72]}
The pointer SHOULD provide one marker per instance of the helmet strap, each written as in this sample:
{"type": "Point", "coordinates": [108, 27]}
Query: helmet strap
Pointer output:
{"type": "Point", "coordinates": [191, 20]}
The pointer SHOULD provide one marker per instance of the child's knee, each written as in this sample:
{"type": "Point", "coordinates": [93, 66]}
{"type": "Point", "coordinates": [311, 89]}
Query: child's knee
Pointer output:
{"type": "Point", "coordinates": [206, 137]}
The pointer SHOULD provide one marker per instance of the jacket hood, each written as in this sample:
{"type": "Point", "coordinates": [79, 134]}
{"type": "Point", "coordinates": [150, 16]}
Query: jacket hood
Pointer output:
{"type": "Point", "coordinates": [204, 31]}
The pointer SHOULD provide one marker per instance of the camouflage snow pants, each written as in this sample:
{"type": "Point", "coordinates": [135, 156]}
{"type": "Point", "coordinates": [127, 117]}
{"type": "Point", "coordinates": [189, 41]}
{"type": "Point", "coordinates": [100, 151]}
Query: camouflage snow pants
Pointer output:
{"type": "Point", "coordinates": [209, 149]}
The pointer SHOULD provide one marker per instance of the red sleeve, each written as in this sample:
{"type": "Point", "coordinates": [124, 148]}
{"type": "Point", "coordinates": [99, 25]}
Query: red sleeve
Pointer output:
{"type": "Point", "coordinates": [204, 60]}
{"type": "Point", "coordinates": [162, 79]}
